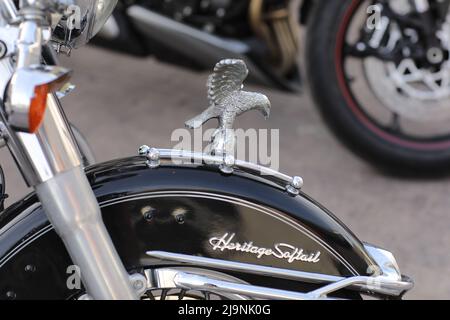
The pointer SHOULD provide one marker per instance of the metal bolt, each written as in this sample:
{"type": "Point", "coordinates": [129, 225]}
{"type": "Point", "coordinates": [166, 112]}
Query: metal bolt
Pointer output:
{"type": "Point", "coordinates": [435, 55]}
{"type": "Point", "coordinates": [139, 283]}
{"type": "Point", "coordinates": [143, 150]}
{"type": "Point", "coordinates": [148, 212]}
{"type": "Point", "coordinates": [153, 158]}
{"type": "Point", "coordinates": [11, 295]}
{"type": "Point", "coordinates": [294, 187]}
{"type": "Point", "coordinates": [180, 218]}
{"type": "Point", "coordinates": [297, 182]}
{"type": "Point", "coordinates": [152, 155]}
{"type": "Point", "coordinates": [30, 268]}
{"type": "Point", "coordinates": [361, 46]}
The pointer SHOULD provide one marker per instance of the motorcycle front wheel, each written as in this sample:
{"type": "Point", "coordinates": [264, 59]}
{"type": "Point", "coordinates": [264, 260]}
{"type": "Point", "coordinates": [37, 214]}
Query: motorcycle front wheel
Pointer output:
{"type": "Point", "coordinates": [386, 111]}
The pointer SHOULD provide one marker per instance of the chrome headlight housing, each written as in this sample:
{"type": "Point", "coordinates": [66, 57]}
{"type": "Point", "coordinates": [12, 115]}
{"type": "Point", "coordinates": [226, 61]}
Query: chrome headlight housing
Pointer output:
{"type": "Point", "coordinates": [78, 21]}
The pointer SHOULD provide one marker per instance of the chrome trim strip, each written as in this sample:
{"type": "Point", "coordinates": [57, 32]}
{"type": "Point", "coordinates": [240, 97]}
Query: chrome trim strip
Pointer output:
{"type": "Point", "coordinates": [244, 267]}
{"type": "Point", "coordinates": [189, 157]}
{"type": "Point", "coordinates": [191, 281]}
{"type": "Point", "coordinates": [379, 284]}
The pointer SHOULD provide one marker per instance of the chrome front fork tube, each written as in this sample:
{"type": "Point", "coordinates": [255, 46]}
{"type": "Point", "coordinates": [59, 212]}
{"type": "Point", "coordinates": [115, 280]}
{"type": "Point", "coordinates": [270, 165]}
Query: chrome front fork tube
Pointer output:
{"type": "Point", "coordinates": [50, 162]}
{"type": "Point", "coordinates": [71, 206]}
{"type": "Point", "coordinates": [73, 211]}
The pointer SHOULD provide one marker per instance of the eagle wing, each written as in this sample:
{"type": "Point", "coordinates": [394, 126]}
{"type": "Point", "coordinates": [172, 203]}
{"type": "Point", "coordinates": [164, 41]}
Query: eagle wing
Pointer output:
{"type": "Point", "coordinates": [227, 78]}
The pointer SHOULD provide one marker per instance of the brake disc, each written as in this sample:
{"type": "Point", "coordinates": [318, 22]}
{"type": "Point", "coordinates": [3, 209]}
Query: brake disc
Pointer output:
{"type": "Point", "coordinates": [415, 93]}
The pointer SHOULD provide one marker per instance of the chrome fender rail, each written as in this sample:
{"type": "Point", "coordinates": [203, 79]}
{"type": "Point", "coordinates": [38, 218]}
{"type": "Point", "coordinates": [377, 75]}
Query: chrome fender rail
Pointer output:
{"type": "Point", "coordinates": [226, 164]}
{"type": "Point", "coordinates": [385, 283]}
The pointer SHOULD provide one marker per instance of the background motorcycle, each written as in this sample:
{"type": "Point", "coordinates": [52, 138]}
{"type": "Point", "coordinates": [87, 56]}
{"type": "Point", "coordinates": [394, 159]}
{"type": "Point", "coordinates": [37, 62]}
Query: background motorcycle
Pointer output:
{"type": "Point", "coordinates": [197, 34]}
{"type": "Point", "coordinates": [382, 88]}
{"type": "Point", "coordinates": [175, 239]}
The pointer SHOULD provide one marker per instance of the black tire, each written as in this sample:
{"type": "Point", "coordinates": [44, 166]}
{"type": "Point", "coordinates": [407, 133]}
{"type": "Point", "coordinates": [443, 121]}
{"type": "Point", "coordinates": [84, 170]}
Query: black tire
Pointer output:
{"type": "Point", "coordinates": [324, 26]}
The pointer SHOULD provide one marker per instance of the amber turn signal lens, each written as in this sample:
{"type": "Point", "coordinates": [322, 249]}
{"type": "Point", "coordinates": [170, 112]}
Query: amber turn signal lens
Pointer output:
{"type": "Point", "coordinates": [37, 107]}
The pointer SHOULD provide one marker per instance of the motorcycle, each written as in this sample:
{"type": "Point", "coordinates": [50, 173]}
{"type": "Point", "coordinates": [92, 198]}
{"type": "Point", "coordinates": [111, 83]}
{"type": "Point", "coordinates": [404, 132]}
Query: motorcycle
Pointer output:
{"type": "Point", "coordinates": [165, 224]}
{"type": "Point", "coordinates": [377, 69]}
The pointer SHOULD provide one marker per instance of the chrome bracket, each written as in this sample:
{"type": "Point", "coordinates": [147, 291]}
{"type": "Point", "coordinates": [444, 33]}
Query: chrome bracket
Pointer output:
{"type": "Point", "coordinates": [138, 283]}
{"type": "Point", "coordinates": [386, 282]}
{"type": "Point", "coordinates": [65, 90]}
{"type": "Point", "coordinates": [226, 164]}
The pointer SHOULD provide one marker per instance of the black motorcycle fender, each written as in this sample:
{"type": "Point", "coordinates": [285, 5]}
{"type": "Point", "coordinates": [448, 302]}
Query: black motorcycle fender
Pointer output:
{"type": "Point", "coordinates": [192, 210]}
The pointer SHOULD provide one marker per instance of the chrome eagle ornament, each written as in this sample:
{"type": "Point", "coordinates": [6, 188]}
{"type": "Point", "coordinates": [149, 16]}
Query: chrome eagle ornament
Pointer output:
{"type": "Point", "coordinates": [227, 100]}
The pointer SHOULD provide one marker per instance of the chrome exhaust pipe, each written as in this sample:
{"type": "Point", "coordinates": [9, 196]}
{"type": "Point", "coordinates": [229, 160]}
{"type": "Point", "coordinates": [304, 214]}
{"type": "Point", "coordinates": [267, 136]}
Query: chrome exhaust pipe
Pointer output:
{"type": "Point", "coordinates": [201, 47]}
